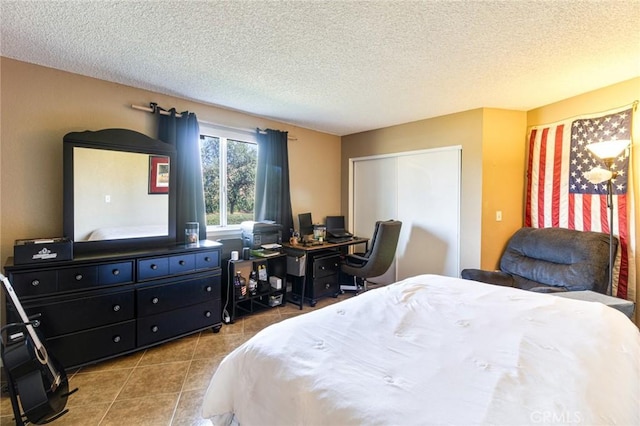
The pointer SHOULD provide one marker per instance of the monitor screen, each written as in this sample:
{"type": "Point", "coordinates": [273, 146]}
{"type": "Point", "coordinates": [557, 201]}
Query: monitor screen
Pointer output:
{"type": "Point", "coordinates": [306, 224]}
{"type": "Point", "coordinates": [335, 222]}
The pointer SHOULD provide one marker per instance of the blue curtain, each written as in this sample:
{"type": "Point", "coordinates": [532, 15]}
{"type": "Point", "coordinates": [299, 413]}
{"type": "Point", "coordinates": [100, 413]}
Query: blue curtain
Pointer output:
{"type": "Point", "coordinates": [273, 197]}
{"type": "Point", "coordinates": [186, 176]}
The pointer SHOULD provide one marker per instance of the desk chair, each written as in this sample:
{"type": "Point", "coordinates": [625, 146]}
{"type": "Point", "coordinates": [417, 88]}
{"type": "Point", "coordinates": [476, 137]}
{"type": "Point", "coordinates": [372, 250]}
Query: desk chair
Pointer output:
{"type": "Point", "coordinates": [377, 260]}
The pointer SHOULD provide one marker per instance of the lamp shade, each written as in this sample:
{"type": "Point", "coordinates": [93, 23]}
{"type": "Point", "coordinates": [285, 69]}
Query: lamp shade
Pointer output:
{"type": "Point", "coordinates": [608, 149]}
{"type": "Point", "coordinates": [598, 175]}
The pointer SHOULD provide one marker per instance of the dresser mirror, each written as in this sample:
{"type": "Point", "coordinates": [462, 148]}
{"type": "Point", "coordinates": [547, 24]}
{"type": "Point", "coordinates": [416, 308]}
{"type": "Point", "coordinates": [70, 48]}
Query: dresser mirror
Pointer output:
{"type": "Point", "coordinates": [117, 190]}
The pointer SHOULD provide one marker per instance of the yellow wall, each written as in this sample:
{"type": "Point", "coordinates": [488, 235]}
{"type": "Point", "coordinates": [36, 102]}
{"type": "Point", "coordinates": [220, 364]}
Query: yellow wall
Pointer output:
{"type": "Point", "coordinates": [40, 105]}
{"type": "Point", "coordinates": [503, 180]}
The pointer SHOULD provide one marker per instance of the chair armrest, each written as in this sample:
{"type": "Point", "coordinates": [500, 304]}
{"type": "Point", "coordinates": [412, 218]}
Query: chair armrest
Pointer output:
{"type": "Point", "coordinates": [355, 259]}
{"type": "Point", "coordinates": [490, 277]}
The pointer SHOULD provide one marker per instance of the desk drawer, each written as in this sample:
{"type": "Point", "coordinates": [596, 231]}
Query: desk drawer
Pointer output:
{"type": "Point", "coordinates": [326, 265]}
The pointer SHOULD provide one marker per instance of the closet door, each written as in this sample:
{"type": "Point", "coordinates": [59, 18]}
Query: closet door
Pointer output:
{"type": "Point", "coordinates": [374, 193]}
{"type": "Point", "coordinates": [422, 189]}
{"type": "Point", "coordinates": [429, 206]}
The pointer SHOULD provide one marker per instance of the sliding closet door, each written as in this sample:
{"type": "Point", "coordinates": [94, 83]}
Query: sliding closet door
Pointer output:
{"type": "Point", "coordinates": [374, 193]}
{"type": "Point", "coordinates": [422, 189]}
{"type": "Point", "coordinates": [429, 206]}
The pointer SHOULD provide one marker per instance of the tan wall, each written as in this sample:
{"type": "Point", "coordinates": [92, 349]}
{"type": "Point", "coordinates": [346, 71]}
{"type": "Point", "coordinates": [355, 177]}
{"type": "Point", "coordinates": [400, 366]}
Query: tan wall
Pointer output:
{"type": "Point", "coordinates": [503, 177]}
{"type": "Point", "coordinates": [40, 105]}
{"type": "Point", "coordinates": [463, 129]}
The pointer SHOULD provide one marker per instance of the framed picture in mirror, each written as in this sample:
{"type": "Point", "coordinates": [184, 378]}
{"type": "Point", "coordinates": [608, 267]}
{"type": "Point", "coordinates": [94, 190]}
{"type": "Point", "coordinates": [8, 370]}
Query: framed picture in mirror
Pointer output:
{"type": "Point", "coordinates": [158, 174]}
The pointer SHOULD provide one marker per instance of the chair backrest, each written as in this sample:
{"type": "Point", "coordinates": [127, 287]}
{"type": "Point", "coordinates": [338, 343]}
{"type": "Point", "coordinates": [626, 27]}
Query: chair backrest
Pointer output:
{"type": "Point", "coordinates": [383, 248]}
{"type": "Point", "coordinates": [559, 257]}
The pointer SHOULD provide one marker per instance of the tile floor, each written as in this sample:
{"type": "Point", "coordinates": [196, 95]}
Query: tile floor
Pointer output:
{"type": "Point", "coordinates": [163, 385]}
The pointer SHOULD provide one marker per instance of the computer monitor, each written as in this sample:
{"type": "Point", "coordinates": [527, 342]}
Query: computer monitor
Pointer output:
{"type": "Point", "coordinates": [335, 223]}
{"type": "Point", "coordinates": [306, 224]}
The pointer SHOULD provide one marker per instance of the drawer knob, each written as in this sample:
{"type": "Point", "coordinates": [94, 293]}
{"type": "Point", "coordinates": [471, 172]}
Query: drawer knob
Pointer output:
{"type": "Point", "coordinates": [207, 259]}
{"type": "Point", "coordinates": [116, 272]}
{"type": "Point", "coordinates": [78, 277]}
{"type": "Point", "coordinates": [207, 314]}
{"type": "Point", "coordinates": [154, 329]}
{"type": "Point", "coordinates": [35, 283]}
{"type": "Point", "coordinates": [181, 262]}
{"type": "Point", "coordinates": [116, 339]}
{"type": "Point", "coordinates": [155, 300]}
{"type": "Point", "coordinates": [36, 323]}
{"type": "Point", "coordinates": [154, 266]}
{"type": "Point", "coordinates": [116, 308]}
{"type": "Point", "coordinates": [208, 288]}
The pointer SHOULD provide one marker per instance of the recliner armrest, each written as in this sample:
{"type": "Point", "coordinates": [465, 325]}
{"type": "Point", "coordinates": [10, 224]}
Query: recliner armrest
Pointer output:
{"type": "Point", "coordinates": [489, 277]}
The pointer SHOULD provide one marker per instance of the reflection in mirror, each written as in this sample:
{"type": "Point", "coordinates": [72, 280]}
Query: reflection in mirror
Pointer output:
{"type": "Point", "coordinates": [113, 198]}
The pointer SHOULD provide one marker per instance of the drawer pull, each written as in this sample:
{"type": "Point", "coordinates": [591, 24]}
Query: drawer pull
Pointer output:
{"type": "Point", "coordinates": [207, 314]}
{"type": "Point", "coordinates": [155, 300]}
{"type": "Point", "coordinates": [181, 262]}
{"type": "Point", "coordinates": [35, 283]}
{"type": "Point", "coordinates": [116, 339]}
{"type": "Point", "coordinates": [207, 259]}
{"type": "Point", "coordinates": [116, 308]}
{"type": "Point", "coordinates": [116, 272]}
{"type": "Point", "coordinates": [154, 329]}
{"type": "Point", "coordinates": [36, 323]}
{"type": "Point", "coordinates": [78, 277]}
{"type": "Point", "coordinates": [327, 286]}
{"type": "Point", "coordinates": [154, 266]}
{"type": "Point", "coordinates": [208, 288]}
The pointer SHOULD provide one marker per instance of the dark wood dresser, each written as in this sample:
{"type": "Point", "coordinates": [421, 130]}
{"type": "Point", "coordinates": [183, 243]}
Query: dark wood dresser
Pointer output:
{"type": "Point", "coordinates": [99, 306]}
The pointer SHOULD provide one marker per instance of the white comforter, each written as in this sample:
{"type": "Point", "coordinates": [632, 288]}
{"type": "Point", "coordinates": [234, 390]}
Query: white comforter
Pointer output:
{"type": "Point", "coordinates": [436, 350]}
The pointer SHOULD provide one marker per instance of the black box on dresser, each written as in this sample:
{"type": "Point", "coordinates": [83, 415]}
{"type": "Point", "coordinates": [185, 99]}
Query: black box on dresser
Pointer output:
{"type": "Point", "coordinates": [99, 306]}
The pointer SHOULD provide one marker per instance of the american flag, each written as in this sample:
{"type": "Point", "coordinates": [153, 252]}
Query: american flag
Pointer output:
{"type": "Point", "coordinates": [559, 195]}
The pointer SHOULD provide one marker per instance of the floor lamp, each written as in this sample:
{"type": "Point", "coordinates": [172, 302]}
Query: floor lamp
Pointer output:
{"type": "Point", "coordinates": [607, 151]}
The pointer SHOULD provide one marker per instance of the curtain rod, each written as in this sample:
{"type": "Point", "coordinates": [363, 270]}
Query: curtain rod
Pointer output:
{"type": "Point", "coordinates": [154, 106]}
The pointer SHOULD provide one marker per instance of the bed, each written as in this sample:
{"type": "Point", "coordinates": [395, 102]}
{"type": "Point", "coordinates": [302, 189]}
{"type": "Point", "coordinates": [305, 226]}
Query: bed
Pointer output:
{"type": "Point", "coordinates": [436, 350]}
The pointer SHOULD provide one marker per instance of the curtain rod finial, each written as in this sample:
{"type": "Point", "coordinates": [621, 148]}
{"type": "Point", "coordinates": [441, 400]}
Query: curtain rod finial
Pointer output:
{"type": "Point", "coordinates": [154, 107]}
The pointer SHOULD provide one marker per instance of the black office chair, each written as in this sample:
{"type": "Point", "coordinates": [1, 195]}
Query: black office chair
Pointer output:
{"type": "Point", "coordinates": [377, 260]}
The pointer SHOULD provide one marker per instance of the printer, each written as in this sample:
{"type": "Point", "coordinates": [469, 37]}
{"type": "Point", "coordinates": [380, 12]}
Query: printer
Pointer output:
{"type": "Point", "coordinates": [256, 234]}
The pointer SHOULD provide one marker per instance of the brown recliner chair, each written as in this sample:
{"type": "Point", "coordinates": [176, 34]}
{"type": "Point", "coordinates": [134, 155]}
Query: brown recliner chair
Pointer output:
{"type": "Point", "coordinates": [551, 260]}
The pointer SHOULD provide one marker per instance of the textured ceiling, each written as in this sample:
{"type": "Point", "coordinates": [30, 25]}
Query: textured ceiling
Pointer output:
{"type": "Point", "coordinates": [336, 66]}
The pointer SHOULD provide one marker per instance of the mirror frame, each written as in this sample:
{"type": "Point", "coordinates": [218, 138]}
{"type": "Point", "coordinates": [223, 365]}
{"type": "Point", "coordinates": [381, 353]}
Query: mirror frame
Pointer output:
{"type": "Point", "coordinates": [115, 140]}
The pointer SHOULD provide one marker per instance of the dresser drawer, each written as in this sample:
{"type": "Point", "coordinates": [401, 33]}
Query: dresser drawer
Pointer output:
{"type": "Point", "coordinates": [153, 268]}
{"type": "Point", "coordinates": [62, 315]}
{"type": "Point", "coordinates": [37, 283]}
{"type": "Point", "coordinates": [154, 299]}
{"type": "Point", "coordinates": [115, 273]}
{"type": "Point", "coordinates": [83, 347]}
{"type": "Point", "coordinates": [182, 264]}
{"type": "Point", "coordinates": [170, 324]}
{"type": "Point", "coordinates": [207, 259]}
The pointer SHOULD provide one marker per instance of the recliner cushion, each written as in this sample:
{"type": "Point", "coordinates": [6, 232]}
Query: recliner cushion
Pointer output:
{"type": "Point", "coordinates": [558, 257]}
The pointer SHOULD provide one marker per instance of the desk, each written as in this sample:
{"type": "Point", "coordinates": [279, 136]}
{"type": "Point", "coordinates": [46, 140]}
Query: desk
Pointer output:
{"type": "Point", "coordinates": [314, 269]}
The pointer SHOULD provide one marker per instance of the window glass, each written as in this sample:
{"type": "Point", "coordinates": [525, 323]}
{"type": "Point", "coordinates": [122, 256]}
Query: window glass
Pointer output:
{"type": "Point", "coordinates": [228, 175]}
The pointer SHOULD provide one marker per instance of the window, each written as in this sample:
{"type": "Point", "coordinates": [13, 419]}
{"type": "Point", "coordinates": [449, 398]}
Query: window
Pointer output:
{"type": "Point", "coordinates": [229, 161]}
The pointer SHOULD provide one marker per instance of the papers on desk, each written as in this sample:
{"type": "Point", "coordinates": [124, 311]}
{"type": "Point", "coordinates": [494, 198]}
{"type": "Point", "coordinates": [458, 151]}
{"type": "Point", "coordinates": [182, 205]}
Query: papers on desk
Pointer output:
{"type": "Point", "coordinates": [264, 253]}
{"type": "Point", "coordinates": [273, 246]}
